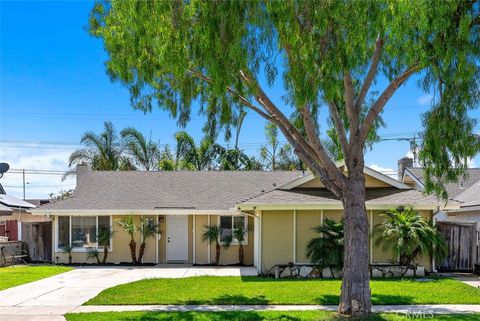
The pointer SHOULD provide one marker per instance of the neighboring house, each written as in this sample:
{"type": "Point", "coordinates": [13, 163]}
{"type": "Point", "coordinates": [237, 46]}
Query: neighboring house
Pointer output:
{"type": "Point", "coordinates": [460, 221]}
{"type": "Point", "coordinates": [13, 211]}
{"type": "Point", "coordinates": [281, 208]}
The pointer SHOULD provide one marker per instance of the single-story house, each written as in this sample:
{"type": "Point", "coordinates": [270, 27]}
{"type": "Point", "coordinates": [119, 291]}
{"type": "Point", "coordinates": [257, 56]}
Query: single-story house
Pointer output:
{"type": "Point", "coordinates": [462, 223]}
{"type": "Point", "coordinates": [280, 207]}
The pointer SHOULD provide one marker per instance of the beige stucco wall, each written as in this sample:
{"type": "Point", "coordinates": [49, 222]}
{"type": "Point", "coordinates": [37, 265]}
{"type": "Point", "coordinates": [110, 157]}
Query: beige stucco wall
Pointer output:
{"type": "Point", "coordinates": [278, 234]}
{"type": "Point", "coordinates": [306, 220]}
{"type": "Point", "coordinates": [277, 238]}
{"type": "Point", "coordinates": [121, 252]}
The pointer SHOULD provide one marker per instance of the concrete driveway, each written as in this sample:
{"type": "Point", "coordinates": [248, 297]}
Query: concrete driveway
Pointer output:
{"type": "Point", "coordinates": [50, 298]}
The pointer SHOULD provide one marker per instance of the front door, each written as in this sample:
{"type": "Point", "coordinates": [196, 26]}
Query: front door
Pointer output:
{"type": "Point", "coordinates": [177, 237]}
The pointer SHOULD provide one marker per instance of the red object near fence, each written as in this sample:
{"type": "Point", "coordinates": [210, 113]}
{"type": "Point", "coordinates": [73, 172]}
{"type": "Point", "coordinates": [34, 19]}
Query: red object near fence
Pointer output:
{"type": "Point", "coordinates": [11, 230]}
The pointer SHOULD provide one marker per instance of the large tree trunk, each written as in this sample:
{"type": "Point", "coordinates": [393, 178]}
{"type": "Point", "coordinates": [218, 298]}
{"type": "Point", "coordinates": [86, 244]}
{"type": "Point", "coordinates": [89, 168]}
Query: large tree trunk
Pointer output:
{"type": "Point", "coordinates": [355, 295]}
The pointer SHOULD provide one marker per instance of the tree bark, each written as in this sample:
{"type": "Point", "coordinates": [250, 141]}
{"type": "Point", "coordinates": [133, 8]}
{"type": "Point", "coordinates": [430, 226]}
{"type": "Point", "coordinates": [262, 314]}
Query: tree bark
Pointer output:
{"type": "Point", "coordinates": [133, 250]}
{"type": "Point", "coordinates": [105, 254]}
{"type": "Point", "coordinates": [141, 252]}
{"type": "Point", "coordinates": [355, 294]}
{"type": "Point", "coordinates": [217, 253]}
{"type": "Point", "coordinates": [240, 253]}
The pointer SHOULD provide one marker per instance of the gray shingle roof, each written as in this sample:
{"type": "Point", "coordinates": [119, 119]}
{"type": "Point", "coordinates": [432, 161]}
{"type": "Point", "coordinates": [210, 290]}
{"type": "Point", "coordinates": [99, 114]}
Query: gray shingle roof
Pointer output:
{"type": "Point", "coordinates": [322, 196]}
{"type": "Point", "coordinates": [453, 189]}
{"type": "Point", "coordinates": [200, 190]}
{"type": "Point", "coordinates": [471, 196]}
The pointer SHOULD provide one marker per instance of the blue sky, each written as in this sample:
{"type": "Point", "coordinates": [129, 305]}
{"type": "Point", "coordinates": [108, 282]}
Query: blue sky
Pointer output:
{"type": "Point", "coordinates": [53, 87]}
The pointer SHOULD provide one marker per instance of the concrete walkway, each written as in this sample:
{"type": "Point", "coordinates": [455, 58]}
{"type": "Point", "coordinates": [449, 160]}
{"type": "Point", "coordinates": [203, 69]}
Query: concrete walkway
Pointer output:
{"type": "Point", "coordinates": [59, 294]}
{"type": "Point", "coordinates": [467, 278]}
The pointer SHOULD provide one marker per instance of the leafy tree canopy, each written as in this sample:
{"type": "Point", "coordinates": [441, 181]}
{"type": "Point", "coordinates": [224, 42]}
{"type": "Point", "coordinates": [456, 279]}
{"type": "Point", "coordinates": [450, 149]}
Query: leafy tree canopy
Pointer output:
{"type": "Point", "coordinates": [172, 53]}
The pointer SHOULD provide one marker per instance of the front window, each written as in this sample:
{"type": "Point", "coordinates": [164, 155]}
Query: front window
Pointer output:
{"type": "Point", "coordinates": [80, 232]}
{"type": "Point", "coordinates": [227, 226]}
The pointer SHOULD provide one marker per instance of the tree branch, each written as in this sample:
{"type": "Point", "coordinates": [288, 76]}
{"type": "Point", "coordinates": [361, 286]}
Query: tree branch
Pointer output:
{"type": "Point", "coordinates": [371, 73]}
{"type": "Point", "coordinates": [315, 141]}
{"type": "Point", "coordinates": [352, 113]}
{"type": "Point", "coordinates": [339, 128]}
{"type": "Point", "coordinates": [242, 99]}
{"type": "Point", "coordinates": [382, 100]}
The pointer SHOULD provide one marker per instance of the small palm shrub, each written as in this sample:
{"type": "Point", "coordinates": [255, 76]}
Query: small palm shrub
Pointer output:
{"type": "Point", "coordinates": [129, 226]}
{"type": "Point", "coordinates": [148, 228]}
{"type": "Point", "coordinates": [409, 235]}
{"type": "Point", "coordinates": [239, 232]}
{"type": "Point", "coordinates": [93, 254]}
{"type": "Point", "coordinates": [211, 233]}
{"type": "Point", "coordinates": [103, 238]}
{"type": "Point", "coordinates": [68, 249]}
{"type": "Point", "coordinates": [326, 250]}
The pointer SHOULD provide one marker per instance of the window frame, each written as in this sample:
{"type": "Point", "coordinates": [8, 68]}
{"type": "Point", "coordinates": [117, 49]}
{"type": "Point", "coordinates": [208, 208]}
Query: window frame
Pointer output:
{"type": "Point", "coordinates": [234, 240]}
{"type": "Point", "coordinates": [81, 249]}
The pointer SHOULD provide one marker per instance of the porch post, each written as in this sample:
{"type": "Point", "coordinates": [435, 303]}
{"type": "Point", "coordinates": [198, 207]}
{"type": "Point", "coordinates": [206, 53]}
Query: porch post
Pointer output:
{"type": "Point", "coordinates": [156, 243]}
{"type": "Point", "coordinates": [194, 237]}
{"type": "Point", "coordinates": [208, 244]}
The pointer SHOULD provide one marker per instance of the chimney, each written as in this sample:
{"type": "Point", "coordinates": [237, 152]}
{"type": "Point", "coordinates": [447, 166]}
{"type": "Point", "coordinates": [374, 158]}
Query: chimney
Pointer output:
{"type": "Point", "coordinates": [402, 164]}
{"type": "Point", "coordinates": [81, 169]}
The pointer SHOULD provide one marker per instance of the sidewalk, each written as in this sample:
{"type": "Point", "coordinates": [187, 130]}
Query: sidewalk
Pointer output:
{"type": "Point", "coordinates": [21, 313]}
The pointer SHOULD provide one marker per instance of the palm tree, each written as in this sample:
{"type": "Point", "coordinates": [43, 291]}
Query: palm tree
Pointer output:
{"type": "Point", "coordinates": [239, 232]}
{"type": "Point", "coordinates": [103, 238]}
{"type": "Point", "coordinates": [276, 157]}
{"type": "Point", "coordinates": [148, 229]}
{"type": "Point", "coordinates": [211, 233]}
{"type": "Point", "coordinates": [326, 250]}
{"type": "Point", "coordinates": [129, 226]}
{"type": "Point", "coordinates": [143, 153]}
{"type": "Point", "coordinates": [93, 254]}
{"type": "Point", "coordinates": [193, 157]}
{"type": "Point", "coordinates": [68, 249]}
{"type": "Point", "coordinates": [102, 151]}
{"type": "Point", "coordinates": [167, 161]}
{"type": "Point", "coordinates": [409, 235]}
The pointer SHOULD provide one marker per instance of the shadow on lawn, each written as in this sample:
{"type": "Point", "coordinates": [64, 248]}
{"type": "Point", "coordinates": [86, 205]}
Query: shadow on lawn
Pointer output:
{"type": "Point", "coordinates": [377, 299]}
{"type": "Point", "coordinates": [210, 316]}
{"type": "Point", "coordinates": [232, 299]}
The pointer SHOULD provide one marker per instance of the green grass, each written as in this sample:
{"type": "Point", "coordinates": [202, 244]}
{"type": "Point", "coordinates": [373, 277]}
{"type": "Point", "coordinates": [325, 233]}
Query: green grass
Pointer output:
{"type": "Point", "coordinates": [253, 290]}
{"type": "Point", "coordinates": [253, 316]}
{"type": "Point", "coordinates": [16, 275]}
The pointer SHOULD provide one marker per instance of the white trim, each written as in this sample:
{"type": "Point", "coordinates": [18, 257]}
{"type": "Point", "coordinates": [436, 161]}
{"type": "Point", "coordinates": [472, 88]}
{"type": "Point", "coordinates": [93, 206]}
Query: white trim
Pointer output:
{"type": "Point", "coordinates": [156, 241]}
{"type": "Point", "coordinates": [55, 247]}
{"type": "Point", "coordinates": [366, 170]}
{"type": "Point", "coordinates": [294, 236]}
{"type": "Point", "coordinates": [235, 241]}
{"type": "Point", "coordinates": [385, 178]}
{"type": "Point", "coordinates": [298, 181]}
{"type": "Point", "coordinates": [413, 177]}
{"type": "Point", "coordinates": [464, 209]}
{"type": "Point", "coordinates": [260, 244]}
{"type": "Point", "coordinates": [93, 212]}
{"type": "Point", "coordinates": [321, 216]}
{"type": "Point", "coordinates": [194, 241]}
{"type": "Point", "coordinates": [371, 237]}
{"type": "Point", "coordinates": [209, 245]}
{"type": "Point", "coordinates": [256, 241]}
{"type": "Point", "coordinates": [333, 206]}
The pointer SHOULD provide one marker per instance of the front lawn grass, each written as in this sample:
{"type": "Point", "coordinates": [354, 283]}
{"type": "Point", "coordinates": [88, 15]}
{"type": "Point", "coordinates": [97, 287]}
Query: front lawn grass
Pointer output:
{"type": "Point", "coordinates": [254, 290]}
{"type": "Point", "coordinates": [254, 316]}
{"type": "Point", "coordinates": [11, 276]}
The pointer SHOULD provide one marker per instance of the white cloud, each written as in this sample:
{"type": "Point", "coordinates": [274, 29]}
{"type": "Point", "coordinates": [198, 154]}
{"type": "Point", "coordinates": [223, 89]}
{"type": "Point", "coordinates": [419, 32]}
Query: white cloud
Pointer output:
{"type": "Point", "coordinates": [37, 185]}
{"type": "Point", "coordinates": [471, 163]}
{"type": "Point", "coordinates": [425, 100]}
{"type": "Point", "coordinates": [384, 170]}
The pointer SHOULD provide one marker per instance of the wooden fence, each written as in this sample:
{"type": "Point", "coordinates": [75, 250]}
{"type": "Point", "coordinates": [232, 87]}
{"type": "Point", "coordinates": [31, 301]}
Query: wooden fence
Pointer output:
{"type": "Point", "coordinates": [38, 239]}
